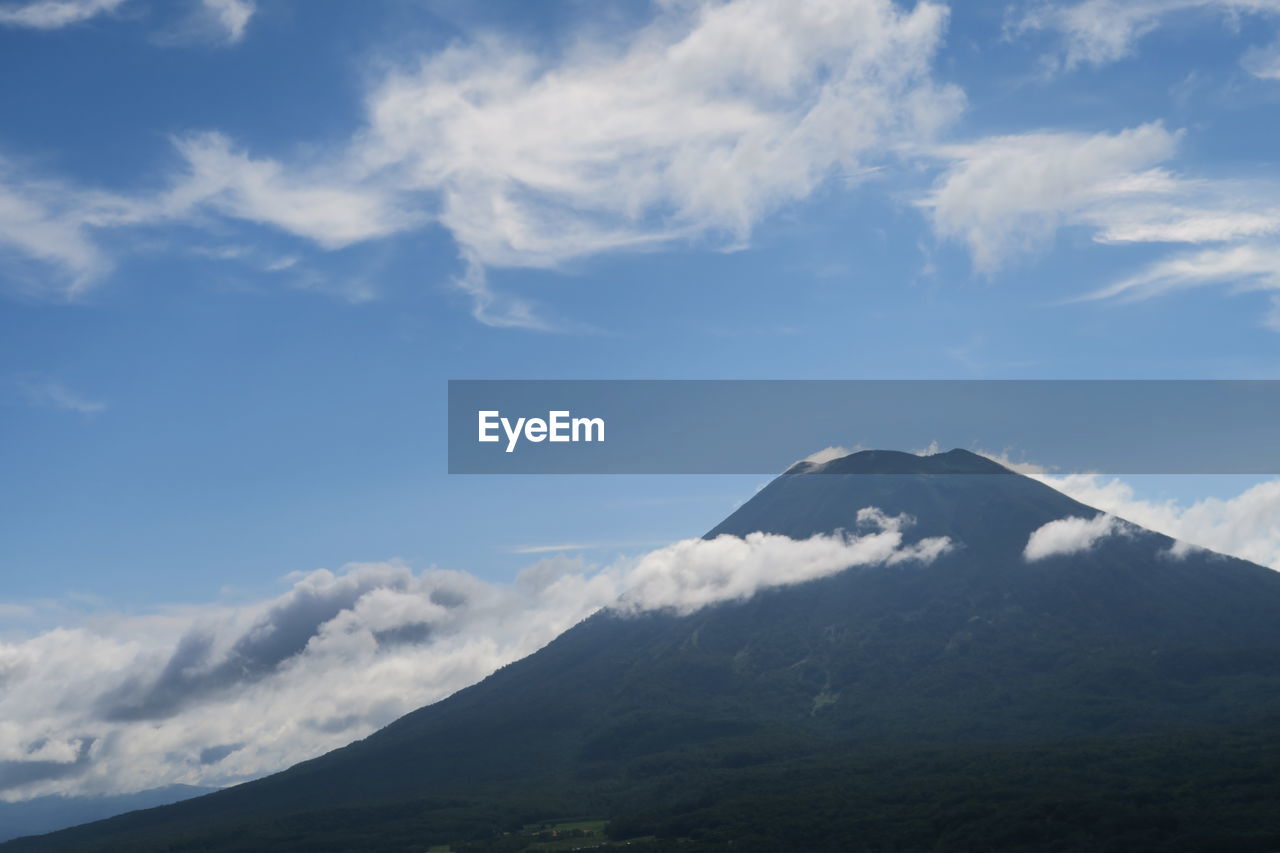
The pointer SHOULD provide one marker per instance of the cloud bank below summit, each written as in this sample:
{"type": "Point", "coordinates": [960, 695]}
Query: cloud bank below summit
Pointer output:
{"type": "Point", "coordinates": [217, 694]}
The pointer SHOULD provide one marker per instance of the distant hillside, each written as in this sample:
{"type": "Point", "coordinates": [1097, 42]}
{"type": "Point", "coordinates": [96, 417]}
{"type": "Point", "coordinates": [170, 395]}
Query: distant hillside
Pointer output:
{"type": "Point", "coordinates": [45, 814]}
{"type": "Point", "coordinates": [1119, 698]}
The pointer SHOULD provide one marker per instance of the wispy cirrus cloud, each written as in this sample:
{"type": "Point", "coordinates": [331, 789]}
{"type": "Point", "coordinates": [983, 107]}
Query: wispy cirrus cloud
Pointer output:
{"type": "Point", "coordinates": [677, 131]}
{"type": "Point", "coordinates": [56, 231]}
{"type": "Point", "coordinates": [1244, 267]}
{"type": "Point", "coordinates": [1006, 198]}
{"type": "Point", "coordinates": [54, 14]}
{"type": "Point", "coordinates": [1096, 32]}
{"type": "Point", "coordinates": [219, 693]}
{"type": "Point", "coordinates": [322, 204]}
{"type": "Point", "coordinates": [47, 226]}
{"type": "Point", "coordinates": [228, 19]}
{"type": "Point", "coordinates": [680, 131]}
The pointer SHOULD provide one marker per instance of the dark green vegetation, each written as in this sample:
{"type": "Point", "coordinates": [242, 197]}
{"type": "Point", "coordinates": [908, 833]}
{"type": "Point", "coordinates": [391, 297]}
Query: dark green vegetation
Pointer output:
{"type": "Point", "coordinates": [1119, 699]}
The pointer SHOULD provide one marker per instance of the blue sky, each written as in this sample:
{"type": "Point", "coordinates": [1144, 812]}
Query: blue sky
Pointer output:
{"type": "Point", "coordinates": [243, 247]}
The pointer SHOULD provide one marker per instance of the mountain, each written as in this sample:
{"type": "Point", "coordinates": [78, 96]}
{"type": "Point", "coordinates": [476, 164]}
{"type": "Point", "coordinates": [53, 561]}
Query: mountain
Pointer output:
{"type": "Point", "coordinates": [46, 814]}
{"type": "Point", "coordinates": [1122, 697]}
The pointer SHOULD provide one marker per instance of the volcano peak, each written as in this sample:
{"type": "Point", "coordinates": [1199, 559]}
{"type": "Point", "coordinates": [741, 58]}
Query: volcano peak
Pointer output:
{"type": "Point", "coordinates": [954, 461]}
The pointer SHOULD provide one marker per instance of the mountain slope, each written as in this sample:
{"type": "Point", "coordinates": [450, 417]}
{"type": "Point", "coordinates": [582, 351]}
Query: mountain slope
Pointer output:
{"type": "Point", "coordinates": [1122, 648]}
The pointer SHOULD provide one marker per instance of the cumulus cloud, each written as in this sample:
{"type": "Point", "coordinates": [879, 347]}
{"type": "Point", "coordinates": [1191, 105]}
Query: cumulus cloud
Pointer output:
{"type": "Point", "coordinates": [217, 694]}
{"type": "Point", "coordinates": [693, 127]}
{"type": "Point", "coordinates": [1070, 536]}
{"type": "Point", "coordinates": [54, 14]}
{"type": "Point", "coordinates": [1096, 32]}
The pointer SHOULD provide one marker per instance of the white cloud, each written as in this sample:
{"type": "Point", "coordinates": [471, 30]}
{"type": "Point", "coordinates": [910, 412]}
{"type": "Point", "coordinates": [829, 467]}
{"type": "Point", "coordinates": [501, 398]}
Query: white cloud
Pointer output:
{"type": "Point", "coordinates": [231, 16]}
{"type": "Point", "coordinates": [1096, 32]}
{"type": "Point", "coordinates": [694, 127]}
{"type": "Point", "coordinates": [123, 702]}
{"type": "Point", "coordinates": [1172, 224]}
{"type": "Point", "coordinates": [1070, 536]}
{"type": "Point", "coordinates": [697, 125]}
{"type": "Point", "coordinates": [1245, 267]}
{"type": "Point", "coordinates": [696, 572]}
{"type": "Point", "coordinates": [549, 549]}
{"type": "Point", "coordinates": [63, 227]}
{"type": "Point", "coordinates": [1020, 466]}
{"type": "Point", "coordinates": [316, 204]}
{"type": "Point", "coordinates": [1245, 526]}
{"type": "Point", "coordinates": [207, 22]}
{"type": "Point", "coordinates": [1263, 62]}
{"type": "Point", "coordinates": [1007, 195]}
{"type": "Point", "coordinates": [685, 129]}
{"type": "Point", "coordinates": [49, 223]}
{"type": "Point", "coordinates": [828, 454]}
{"type": "Point", "coordinates": [54, 14]}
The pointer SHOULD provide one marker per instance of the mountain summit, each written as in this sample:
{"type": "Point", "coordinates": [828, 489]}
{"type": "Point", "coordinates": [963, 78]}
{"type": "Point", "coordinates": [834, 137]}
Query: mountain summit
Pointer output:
{"type": "Point", "coordinates": [955, 461]}
{"type": "Point", "coordinates": [957, 493]}
{"type": "Point", "coordinates": [1115, 694]}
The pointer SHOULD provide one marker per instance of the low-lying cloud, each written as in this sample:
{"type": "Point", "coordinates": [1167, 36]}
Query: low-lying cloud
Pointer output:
{"type": "Point", "coordinates": [696, 572]}
{"type": "Point", "coordinates": [1071, 535]}
{"type": "Point", "coordinates": [1245, 526]}
{"type": "Point", "coordinates": [216, 694]}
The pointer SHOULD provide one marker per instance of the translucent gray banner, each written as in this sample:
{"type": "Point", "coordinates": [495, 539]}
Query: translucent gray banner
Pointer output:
{"type": "Point", "coordinates": [764, 426]}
